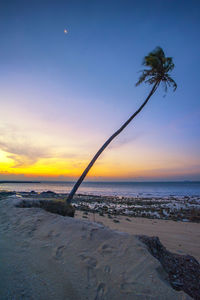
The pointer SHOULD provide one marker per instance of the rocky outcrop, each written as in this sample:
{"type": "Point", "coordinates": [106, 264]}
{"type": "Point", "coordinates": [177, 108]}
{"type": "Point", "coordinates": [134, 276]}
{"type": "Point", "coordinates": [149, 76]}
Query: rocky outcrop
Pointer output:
{"type": "Point", "coordinates": [183, 270]}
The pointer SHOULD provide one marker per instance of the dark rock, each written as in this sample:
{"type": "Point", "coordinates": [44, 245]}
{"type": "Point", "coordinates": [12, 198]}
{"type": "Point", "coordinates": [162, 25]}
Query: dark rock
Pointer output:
{"type": "Point", "coordinates": [4, 194]}
{"type": "Point", "coordinates": [48, 194]}
{"type": "Point", "coordinates": [33, 192]}
{"type": "Point", "coordinates": [115, 220]}
{"type": "Point", "coordinates": [183, 270]}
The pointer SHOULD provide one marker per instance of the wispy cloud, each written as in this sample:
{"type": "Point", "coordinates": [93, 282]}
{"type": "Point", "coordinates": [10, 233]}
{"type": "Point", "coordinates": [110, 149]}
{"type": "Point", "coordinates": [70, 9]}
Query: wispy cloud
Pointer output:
{"type": "Point", "coordinates": [25, 151]}
{"type": "Point", "coordinates": [20, 148]}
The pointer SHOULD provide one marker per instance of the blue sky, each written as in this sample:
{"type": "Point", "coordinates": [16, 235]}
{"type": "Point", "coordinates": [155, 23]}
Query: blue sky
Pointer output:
{"type": "Point", "coordinates": [62, 94]}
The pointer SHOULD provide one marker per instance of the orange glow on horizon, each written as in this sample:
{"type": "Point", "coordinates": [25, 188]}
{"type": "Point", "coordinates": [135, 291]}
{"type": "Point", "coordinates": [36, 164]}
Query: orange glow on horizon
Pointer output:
{"type": "Point", "coordinates": [109, 166]}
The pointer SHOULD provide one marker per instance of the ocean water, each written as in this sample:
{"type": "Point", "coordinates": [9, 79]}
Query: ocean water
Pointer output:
{"type": "Point", "coordinates": [128, 189]}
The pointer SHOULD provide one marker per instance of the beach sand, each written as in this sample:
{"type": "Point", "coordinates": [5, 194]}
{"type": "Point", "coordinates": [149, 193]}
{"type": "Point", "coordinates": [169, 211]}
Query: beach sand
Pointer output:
{"type": "Point", "coordinates": [178, 237]}
{"type": "Point", "coordinates": [47, 256]}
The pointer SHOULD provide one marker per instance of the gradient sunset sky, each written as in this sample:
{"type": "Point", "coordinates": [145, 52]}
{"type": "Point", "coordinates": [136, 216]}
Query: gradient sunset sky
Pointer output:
{"type": "Point", "coordinates": [62, 95]}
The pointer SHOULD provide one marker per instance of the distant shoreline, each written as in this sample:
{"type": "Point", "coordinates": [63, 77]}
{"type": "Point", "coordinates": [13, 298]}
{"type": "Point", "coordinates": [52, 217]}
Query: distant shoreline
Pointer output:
{"type": "Point", "coordinates": [13, 181]}
{"type": "Point", "coordinates": [104, 182]}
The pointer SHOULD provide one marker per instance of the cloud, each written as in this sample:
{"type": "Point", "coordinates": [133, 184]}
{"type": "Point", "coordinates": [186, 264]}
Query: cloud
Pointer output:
{"type": "Point", "coordinates": [23, 154]}
{"type": "Point", "coordinates": [20, 148]}
{"type": "Point", "coordinates": [24, 151]}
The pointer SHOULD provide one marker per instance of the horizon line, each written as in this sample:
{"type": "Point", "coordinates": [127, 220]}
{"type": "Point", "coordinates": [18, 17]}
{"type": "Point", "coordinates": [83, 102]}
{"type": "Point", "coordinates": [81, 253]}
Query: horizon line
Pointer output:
{"type": "Point", "coordinates": [99, 181]}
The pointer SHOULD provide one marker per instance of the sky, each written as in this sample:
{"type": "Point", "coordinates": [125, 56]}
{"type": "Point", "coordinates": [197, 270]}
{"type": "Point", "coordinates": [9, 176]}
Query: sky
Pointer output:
{"type": "Point", "coordinates": [63, 94]}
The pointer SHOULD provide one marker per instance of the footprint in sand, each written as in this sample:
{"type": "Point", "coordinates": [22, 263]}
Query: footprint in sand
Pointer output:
{"type": "Point", "coordinates": [106, 249]}
{"type": "Point", "coordinates": [89, 260]}
{"type": "Point", "coordinates": [100, 292]}
{"type": "Point", "coordinates": [90, 263]}
{"type": "Point", "coordinates": [107, 269]}
{"type": "Point", "coordinates": [59, 252]}
{"type": "Point", "coordinates": [91, 277]}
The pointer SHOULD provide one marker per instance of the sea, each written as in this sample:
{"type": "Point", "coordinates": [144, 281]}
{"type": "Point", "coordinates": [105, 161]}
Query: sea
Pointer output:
{"type": "Point", "coordinates": [123, 189]}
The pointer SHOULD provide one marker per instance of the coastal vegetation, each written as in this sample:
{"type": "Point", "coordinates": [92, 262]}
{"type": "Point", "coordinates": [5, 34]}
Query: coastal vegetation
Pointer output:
{"type": "Point", "coordinates": [157, 71]}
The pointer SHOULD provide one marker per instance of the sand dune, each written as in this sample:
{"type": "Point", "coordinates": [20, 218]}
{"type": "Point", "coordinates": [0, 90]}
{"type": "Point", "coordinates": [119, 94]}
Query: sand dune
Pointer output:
{"type": "Point", "coordinates": [46, 256]}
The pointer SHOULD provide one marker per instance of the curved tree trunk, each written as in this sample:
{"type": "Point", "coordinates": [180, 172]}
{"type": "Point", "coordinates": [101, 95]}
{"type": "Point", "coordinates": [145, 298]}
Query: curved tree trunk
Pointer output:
{"type": "Point", "coordinates": [81, 178]}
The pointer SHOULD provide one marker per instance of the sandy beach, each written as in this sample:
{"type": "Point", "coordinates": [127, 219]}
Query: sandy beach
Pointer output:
{"type": "Point", "coordinates": [99, 150]}
{"type": "Point", "coordinates": [179, 237]}
{"type": "Point", "coordinates": [47, 256]}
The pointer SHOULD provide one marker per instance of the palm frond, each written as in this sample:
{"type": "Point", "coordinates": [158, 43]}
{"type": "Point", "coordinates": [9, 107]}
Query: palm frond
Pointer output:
{"type": "Point", "coordinates": [142, 78]}
{"type": "Point", "coordinates": [164, 83]}
{"type": "Point", "coordinates": [151, 80]}
{"type": "Point", "coordinates": [171, 82]}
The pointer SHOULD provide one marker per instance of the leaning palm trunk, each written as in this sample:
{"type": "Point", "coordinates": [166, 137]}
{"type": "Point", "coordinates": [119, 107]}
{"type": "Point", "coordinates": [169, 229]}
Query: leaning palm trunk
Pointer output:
{"type": "Point", "coordinates": [81, 178]}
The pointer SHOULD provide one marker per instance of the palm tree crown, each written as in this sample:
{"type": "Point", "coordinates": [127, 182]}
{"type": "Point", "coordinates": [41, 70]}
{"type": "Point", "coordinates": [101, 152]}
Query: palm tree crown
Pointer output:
{"type": "Point", "coordinates": [159, 66]}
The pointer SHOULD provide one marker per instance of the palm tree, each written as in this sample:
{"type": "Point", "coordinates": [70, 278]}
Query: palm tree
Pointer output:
{"type": "Point", "coordinates": [158, 68]}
